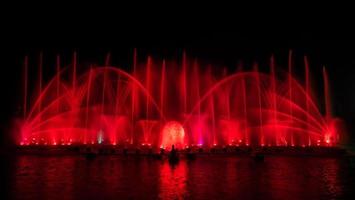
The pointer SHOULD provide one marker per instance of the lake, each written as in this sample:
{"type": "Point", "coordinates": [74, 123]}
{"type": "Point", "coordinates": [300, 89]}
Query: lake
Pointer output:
{"type": "Point", "coordinates": [207, 177]}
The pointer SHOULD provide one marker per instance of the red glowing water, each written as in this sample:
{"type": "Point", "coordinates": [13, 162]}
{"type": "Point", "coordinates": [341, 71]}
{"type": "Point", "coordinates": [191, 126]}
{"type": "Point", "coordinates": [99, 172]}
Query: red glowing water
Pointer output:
{"type": "Point", "coordinates": [162, 103]}
{"type": "Point", "coordinates": [173, 134]}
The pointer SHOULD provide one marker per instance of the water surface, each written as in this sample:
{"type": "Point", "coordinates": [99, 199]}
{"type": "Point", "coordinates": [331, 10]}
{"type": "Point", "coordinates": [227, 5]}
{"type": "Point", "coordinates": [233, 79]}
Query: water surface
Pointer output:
{"type": "Point", "coordinates": [209, 177]}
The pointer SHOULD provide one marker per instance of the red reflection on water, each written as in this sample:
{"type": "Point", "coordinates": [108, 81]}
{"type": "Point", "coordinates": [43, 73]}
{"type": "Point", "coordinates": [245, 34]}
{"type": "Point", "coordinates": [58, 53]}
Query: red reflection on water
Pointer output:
{"type": "Point", "coordinates": [172, 181]}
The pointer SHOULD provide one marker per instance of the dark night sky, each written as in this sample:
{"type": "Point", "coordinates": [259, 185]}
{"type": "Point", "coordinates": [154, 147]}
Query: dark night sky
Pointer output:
{"type": "Point", "coordinates": [214, 40]}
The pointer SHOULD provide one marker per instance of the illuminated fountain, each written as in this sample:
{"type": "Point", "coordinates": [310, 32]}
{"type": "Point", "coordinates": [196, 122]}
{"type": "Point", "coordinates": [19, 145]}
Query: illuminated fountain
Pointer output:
{"type": "Point", "coordinates": [185, 103]}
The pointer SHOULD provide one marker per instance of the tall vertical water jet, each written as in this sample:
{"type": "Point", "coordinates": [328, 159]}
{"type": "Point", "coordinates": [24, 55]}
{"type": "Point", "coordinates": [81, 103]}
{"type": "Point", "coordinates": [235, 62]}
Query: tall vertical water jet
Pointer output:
{"type": "Point", "coordinates": [134, 94]}
{"type": "Point", "coordinates": [162, 96]}
{"type": "Point", "coordinates": [148, 82]}
{"type": "Point", "coordinates": [117, 104]}
{"type": "Point", "coordinates": [25, 87]}
{"type": "Point", "coordinates": [147, 125]}
{"type": "Point", "coordinates": [58, 80]}
{"type": "Point", "coordinates": [290, 93]}
{"type": "Point", "coordinates": [87, 105]}
{"type": "Point", "coordinates": [196, 82]}
{"type": "Point", "coordinates": [40, 76]}
{"type": "Point", "coordinates": [227, 96]}
{"type": "Point", "coordinates": [183, 75]}
{"type": "Point", "coordinates": [274, 100]}
{"type": "Point", "coordinates": [244, 100]}
{"type": "Point", "coordinates": [258, 87]}
{"type": "Point", "coordinates": [212, 107]}
{"type": "Point", "coordinates": [244, 93]}
{"type": "Point", "coordinates": [326, 94]}
{"type": "Point", "coordinates": [104, 82]}
{"type": "Point", "coordinates": [117, 99]}
{"type": "Point", "coordinates": [308, 94]}
{"type": "Point", "coordinates": [196, 69]}
{"type": "Point", "coordinates": [162, 88]}
{"type": "Point", "coordinates": [74, 72]}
